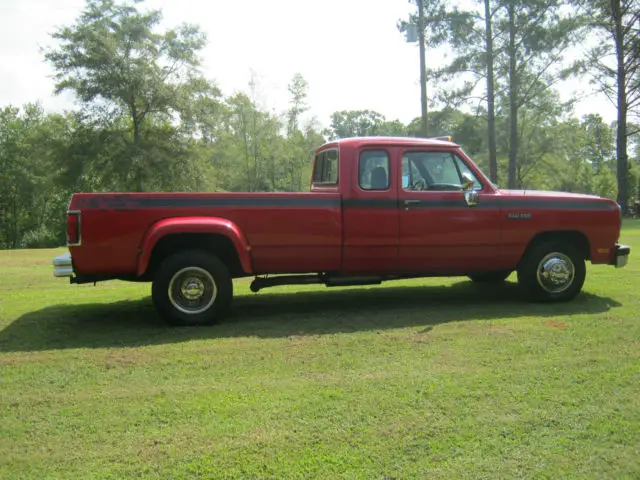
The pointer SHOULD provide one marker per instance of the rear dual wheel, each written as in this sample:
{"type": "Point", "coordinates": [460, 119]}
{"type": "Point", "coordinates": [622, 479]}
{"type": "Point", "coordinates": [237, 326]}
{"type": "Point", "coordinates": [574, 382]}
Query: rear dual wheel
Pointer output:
{"type": "Point", "coordinates": [192, 287]}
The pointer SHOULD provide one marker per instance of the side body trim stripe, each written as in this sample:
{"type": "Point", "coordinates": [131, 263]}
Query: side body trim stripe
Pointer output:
{"type": "Point", "coordinates": [124, 202]}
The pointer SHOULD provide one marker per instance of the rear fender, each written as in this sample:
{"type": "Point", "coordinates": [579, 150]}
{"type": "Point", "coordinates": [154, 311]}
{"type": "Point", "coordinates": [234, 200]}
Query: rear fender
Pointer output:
{"type": "Point", "coordinates": [213, 225]}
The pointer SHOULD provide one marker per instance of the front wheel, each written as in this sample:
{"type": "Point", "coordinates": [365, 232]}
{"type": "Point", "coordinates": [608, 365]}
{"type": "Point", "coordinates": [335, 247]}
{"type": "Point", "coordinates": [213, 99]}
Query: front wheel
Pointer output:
{"type": "Point", "coordinates": [192, 288]}
{"type": "Point", "coordinates": [552, 271]}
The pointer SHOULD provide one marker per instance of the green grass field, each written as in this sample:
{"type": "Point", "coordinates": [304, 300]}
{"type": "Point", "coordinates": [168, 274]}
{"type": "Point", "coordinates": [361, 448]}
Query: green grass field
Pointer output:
{"type": "Point", "coordinates": [422, 379]}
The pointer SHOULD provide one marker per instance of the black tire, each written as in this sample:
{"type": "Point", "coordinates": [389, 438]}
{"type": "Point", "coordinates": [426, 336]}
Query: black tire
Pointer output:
{"type": "Point", "coordinates": [203, 277]}
{"type": "Point", "coordinates": [497, 276]}
{"type": "Point", "coordinates": [569, 272]}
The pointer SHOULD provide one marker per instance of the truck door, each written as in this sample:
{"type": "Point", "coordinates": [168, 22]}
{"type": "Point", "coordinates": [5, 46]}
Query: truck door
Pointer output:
{"type": "Point", "coordinates": [370, 212]}
{"type": "Point", "coordinates": [439, 232]}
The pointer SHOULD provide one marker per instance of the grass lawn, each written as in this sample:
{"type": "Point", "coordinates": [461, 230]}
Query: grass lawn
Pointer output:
{"type": "Point", "coordinates": [424, 379]}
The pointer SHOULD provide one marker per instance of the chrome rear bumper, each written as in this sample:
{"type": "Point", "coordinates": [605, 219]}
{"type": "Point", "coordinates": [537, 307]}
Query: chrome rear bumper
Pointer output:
{"type": "Point", "coordinates": [63, 266]}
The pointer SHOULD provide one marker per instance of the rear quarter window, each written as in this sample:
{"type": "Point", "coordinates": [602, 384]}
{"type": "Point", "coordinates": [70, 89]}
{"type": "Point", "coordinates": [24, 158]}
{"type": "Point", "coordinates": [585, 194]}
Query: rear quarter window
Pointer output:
{"type": "Point", "coordinates": [326, 168]}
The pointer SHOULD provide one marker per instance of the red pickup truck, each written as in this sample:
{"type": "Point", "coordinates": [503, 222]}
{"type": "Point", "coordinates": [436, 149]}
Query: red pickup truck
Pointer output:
{"type": "Point", "coordinates": [378, 209]}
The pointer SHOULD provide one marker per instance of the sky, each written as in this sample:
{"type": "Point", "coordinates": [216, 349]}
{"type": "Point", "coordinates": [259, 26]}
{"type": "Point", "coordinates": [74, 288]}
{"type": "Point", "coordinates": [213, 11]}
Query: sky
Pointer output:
{"type": "Point", "coordinates": [349, 51]}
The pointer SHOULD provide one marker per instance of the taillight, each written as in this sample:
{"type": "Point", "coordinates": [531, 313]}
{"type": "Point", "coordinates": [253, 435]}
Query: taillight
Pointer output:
{"type": "Point", "coordinates": [74, 236]}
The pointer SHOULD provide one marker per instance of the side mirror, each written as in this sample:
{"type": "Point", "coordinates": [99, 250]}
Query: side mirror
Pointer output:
{"type": "Point", "coordinates": [470, 195]}
{"type": "Point", "coordinates": [467, 182]}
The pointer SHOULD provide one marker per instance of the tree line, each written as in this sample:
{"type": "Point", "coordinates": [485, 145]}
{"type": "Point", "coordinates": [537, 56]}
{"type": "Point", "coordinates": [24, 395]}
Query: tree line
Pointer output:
{"type": "Point", "coordinates": [508, 55]}
{"type": "Point", "coordinates": [150, 121]}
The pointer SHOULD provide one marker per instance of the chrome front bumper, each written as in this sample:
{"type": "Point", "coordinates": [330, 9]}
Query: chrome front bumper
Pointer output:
{"type": "Point", "coordinates": [621, 255]}
{"type": "Point", "coordinates": [63, 266]}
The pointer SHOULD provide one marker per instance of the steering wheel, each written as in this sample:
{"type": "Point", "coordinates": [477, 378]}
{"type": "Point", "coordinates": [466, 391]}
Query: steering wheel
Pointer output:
{"type": "Point", "coordinates": [420, 185]}
{"type": "Point", "coordinates": [444, 186]}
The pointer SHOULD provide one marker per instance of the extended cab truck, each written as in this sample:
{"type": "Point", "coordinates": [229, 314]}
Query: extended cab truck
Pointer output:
{"type": "Point", "coordinates": [378, 209]}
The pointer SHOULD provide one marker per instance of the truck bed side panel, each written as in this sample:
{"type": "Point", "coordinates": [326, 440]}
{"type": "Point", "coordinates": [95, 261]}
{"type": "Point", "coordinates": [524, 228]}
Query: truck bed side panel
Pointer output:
{"type": "Point", "coordinates": [287, 232]}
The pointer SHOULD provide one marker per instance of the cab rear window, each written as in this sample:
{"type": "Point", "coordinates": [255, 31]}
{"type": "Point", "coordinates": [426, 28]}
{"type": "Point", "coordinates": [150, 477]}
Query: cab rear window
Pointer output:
{"type": "Point", "coordinates": [326, 168]}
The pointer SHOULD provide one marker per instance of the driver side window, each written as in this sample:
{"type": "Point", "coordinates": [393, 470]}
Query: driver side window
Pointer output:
{"type": "Point", "coordinates": [434, 171]}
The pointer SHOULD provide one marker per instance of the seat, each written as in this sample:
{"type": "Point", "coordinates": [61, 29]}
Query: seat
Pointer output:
{"type": "Point", "coordinates": [379, 179]}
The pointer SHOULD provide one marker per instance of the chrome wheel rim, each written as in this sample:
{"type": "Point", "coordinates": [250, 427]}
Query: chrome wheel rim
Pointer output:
{"type": "Point", "coordinates": [192, 290]}
{"type": "Point", "coordinates": [556, 272]}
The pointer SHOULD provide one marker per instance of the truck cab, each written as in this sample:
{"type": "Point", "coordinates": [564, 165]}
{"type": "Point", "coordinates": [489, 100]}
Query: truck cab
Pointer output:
{"type": "Point", "coordinates": [411, 205]}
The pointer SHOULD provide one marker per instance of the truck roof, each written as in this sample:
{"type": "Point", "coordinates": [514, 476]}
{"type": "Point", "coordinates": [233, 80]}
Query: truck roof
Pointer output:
{"type": "Point", "coordinates": [409, 141]}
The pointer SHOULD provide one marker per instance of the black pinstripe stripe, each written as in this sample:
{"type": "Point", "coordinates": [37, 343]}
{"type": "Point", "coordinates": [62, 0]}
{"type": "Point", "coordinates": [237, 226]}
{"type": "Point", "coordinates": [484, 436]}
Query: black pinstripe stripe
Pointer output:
{"type": "Point", "coordinates": [125, 202]}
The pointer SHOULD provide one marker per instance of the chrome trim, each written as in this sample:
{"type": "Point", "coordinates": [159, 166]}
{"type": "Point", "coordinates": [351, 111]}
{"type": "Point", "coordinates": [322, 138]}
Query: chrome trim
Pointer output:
{"type": "Point", "coordinates": [192, 290]}
{"type": "Point", "coordinates": [79, 214]}
{"type": "Point", "coordinates": [471, 197]}
{"type": "Point", "coordinates": [63, 266]}
{"type": "Point", "coordinates": [622, 261]}
{"type": "Point", "coordinates": [555, 272]}
{"type": "Point", "coordinates": [621, 255]}
{"type": "Point", "coordinates": [467, 181]}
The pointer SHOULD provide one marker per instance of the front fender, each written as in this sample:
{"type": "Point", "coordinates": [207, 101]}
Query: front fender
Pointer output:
{"type": "Point", "coordinates": [213, 225]}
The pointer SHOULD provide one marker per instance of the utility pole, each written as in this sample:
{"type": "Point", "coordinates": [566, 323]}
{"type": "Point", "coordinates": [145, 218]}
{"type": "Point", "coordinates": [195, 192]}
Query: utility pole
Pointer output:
{"type": "Point", "coordinates": [412, 36]}
{"type": "Point", "coordinates": [423, 68]}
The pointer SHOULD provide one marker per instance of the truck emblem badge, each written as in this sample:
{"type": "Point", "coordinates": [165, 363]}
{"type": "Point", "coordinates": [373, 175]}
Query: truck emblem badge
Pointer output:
{"type": "Point", "coordinates": [519, 216]}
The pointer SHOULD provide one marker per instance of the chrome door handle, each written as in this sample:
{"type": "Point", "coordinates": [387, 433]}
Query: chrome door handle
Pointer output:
{"type": "Point", "coordinates": [411, 202]}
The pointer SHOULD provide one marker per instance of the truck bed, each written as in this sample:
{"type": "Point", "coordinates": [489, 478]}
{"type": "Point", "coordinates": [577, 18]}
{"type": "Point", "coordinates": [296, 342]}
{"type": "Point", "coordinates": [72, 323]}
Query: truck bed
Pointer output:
{"type": "Point", "coordinates": [286, 232]}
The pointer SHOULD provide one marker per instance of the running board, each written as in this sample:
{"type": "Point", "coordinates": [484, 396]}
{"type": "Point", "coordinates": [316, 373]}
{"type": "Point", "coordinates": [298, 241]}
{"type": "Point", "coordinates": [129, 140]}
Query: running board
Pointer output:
{"type": "Point", "coordinates": [352, 281]}
{"type": "Point", "coordinates": [266, 282]}
{"type": "Point", "coordinates": [260, 283]}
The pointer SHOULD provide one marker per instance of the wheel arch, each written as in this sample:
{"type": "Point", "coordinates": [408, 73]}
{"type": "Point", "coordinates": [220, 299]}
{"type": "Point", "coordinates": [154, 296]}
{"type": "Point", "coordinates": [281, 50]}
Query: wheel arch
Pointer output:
{"type": "Point", "coordinates": [572, 237]}
{"type": "Point", "coordinates": [214, 235]}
